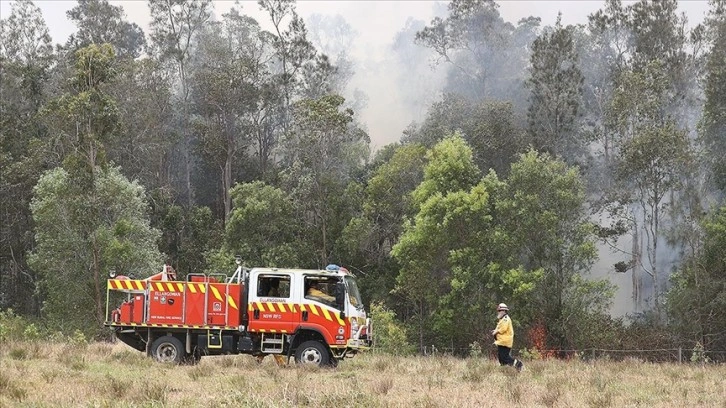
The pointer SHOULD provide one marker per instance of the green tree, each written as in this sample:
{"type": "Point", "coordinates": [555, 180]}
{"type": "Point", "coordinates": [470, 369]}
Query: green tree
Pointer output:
{"type": "Point", "coordinates": [188, 236]}
{"type": "Point", "coordinates": [26, 58]}
{"type": "Point", "coordinates": [442, 224]}
{"type": "Point", "coordinates": [174, 26]}
{"type": "Point", "coordinates": [697, 300]}
{"type": "Point", "coordinates": [653, 164]}
{"type": "Point", "coordinates": [263, 227]}
{"type": "Point", "coordinates": [556, 86]}
{"type": "Point", "coordinates": [713, 126]}
{"type": "Point", "coordinates": [292, 50]}
{"type": "Point", "coordinates": [81, 235]}
{"type": "Point", "coordinates": [321, 153]}
{"type": "Point", "coordinates": [491, 128]}
{"type": "Point", "coordinates": [225, 95]}
{"type": "Point", "coordinates": [86, 117]}
{"type": "Point", "coordinates": [488, 55]}
{"type": "Point", "coordinates": [386, 201]}
{"type": "Point", "coordinates": [144, 148]}
{"type": "Point", "coordinates": [99, 22]}
{"type": "Point", "coordinates": [542, 217]}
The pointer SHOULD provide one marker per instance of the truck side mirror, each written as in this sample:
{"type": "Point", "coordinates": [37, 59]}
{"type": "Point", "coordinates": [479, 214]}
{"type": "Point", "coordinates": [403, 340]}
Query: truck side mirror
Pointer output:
{"type": "Point", "coordinates": [340, 294]}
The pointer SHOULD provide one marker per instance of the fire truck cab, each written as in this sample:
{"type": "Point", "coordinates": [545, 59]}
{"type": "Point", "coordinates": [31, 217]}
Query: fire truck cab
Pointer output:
{"type": "Point", "coordinates": [314, 316]}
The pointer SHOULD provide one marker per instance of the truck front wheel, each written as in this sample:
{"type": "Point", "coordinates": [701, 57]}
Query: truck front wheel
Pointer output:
{"type": "Point", "coordinates": [312, 352]}
{"type": "Point", "coordinates": [167, 349]}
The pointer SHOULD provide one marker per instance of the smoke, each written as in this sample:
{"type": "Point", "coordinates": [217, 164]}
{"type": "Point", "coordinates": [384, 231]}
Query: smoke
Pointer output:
{"type": "Point", "coordinates": [391, 84]}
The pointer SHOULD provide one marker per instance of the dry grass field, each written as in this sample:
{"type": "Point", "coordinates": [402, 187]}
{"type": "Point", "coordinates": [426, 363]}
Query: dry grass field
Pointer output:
{"type": "Point", "coordinates": [33, 374]}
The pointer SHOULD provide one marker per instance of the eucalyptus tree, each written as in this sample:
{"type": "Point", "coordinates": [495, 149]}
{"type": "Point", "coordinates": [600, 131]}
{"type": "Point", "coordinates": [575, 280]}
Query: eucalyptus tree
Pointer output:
{"type": "Point", "coordinates": [100, 22]}
{"type": "Point", "coordinates": [714, 116]}
{"type": "Point", "coordinates": [386, 202]}
{"type": "Point", "coordinates": [320, 154]}
{"type": "Point", "coordinates": [697, 299]}
{"type": "Point", "coordinates": [444, 217]}
{"type": "Point", "coordinates": [541, 210]}
{"type": "Point", "coordinates": [492, 129]}
{"type": "Point", "coordinates": [556, 94]}
{"type": "Point", "coordinates": [84, 232]}
{"type": "Point", "coordinates": [629, 40]}
{"type": "Point", "coordinates": [488, 56]}
{"type": "Point", "coordinates": [174, 25]}
{"type": "Point", "coordinates": [654, 154]}
{"type": "Point", "coordinates": [292, 51]}
{"type": "Point", "coordinates": [89, 218]}
{"type": "Point", "coordinates": [653, 163]}
{"type": "Point", "coordinates": [142, 90]}
{"type": "Point", "coordinates": [264, 229]}
{"type": "Point", "coordinates": [225, 94]}
{"type": "Point", "coordinates": [333, 37]}
{"type": "Point", "coordinates": [604, 52]}
{"type": "Point", "coordinates": [85, 117]}
{"type": "Point", "coordinates": [26, 59]}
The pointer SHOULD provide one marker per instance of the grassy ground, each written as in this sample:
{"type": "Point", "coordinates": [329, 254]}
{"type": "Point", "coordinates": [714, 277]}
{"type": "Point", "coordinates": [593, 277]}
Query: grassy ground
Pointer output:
{"type": "Point", "coordinates": [106, 375]}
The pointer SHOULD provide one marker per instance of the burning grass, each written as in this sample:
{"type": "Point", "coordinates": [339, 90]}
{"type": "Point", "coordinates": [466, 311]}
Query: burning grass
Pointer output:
{"type": "Point", "coordinates": [38, 374]}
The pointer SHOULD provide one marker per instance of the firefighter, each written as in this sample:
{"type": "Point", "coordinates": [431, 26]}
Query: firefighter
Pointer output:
{"type": "Point", "coordinates": [314, 292]}
{"type": "Point", "coordinates": [274, 288]}
{"type": "Point", "coordinates": [504, 338]}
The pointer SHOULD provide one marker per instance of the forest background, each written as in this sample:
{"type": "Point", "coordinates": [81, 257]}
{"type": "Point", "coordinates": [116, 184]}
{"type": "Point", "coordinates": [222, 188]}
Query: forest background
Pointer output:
{"type": "Point", "coordinates": [551, 158]}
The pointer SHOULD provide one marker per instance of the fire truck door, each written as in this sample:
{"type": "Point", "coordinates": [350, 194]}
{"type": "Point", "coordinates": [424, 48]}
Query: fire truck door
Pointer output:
{"type": "Point", "coordinates": [271, 309]}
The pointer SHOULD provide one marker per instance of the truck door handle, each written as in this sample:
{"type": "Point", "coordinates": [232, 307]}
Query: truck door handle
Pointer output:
{"type": "Point", "coordinates": [256, 314]}
{"type": "Point", "coordinates": [305, 315]}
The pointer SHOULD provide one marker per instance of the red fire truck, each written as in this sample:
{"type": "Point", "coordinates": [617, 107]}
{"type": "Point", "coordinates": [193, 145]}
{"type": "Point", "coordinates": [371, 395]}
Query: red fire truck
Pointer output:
{"type": "Point", "coordinates": [315, 316]}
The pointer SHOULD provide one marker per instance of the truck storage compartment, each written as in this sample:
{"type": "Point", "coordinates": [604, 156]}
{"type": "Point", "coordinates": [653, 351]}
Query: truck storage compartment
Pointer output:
{"type": "Point", "coordinates": [212, 342]}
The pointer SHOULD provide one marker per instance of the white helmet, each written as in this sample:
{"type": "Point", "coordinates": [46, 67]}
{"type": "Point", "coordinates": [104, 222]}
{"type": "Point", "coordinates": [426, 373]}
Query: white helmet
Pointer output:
{"type": "Point", "coordinates": [501, 307]}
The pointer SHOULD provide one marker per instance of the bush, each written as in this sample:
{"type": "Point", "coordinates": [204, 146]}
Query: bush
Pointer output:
{"type": "Point", "coordinates": [698, 355]}
{"type": "Point", "coordinates": [17, 328]}
{"type": "Point", "coordinates": [389, 334]}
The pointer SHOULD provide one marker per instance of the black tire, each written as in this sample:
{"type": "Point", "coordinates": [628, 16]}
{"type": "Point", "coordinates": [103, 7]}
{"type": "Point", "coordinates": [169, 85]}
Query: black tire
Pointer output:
{"type": "Point", "coordinates": [168, 350]}
{"type": "Point", "coordinates": [312, 353]}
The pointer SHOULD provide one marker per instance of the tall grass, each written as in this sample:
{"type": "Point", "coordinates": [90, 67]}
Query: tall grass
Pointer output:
{"type": "Point", "coordinates": [104, 375]}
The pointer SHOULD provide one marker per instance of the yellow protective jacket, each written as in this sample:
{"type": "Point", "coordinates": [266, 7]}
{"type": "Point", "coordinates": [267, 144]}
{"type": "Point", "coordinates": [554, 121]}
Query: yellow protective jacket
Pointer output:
{"type": "Point", "coordinates": [504, 333]}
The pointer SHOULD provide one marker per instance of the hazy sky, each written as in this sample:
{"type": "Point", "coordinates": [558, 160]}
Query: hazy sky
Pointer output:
{"type": "Point", "coordinates": [376, 23]}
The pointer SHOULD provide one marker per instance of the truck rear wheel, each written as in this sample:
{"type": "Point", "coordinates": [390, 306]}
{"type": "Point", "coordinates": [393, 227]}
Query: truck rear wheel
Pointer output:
{"type": "Point", "coordinates": [167, 349]}
{"type": "Point", "coordinates": [313, 353]}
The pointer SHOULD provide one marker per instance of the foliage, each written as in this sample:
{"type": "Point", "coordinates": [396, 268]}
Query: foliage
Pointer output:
{"type": "Point", "coordinates": [556, 86]}
{"type": "Point", "coordinates": [263, 228]}
{"type": "Point", "coordinates": [321, 154]}
{"type": "Point", "coordinates": [697, 300]}
{"type": "Point", "coordinates": [82, 234]}
{"type": "Point", "coordinates": [541, 211]}
{"type": "Point", "coordinates": [26, 60]}
{"type": "Point", "coordinates": [485, 51]}
{"type": "Point", "coordinates": [653, 164]}
{"type": "Point", "coordinates": [714, 115]}
{"type": "Point", "coordinates": [386, 201]}
{"type": "Point", "coordinates": [390, 334]}
{"type": "Point", "coordinates": [491, 128]}
{"type": "Point", "coordinates": [100, 22]}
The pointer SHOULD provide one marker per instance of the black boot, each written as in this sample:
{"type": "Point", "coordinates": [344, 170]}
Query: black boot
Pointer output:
{"type": "Point", "coordinates": [518, 365]}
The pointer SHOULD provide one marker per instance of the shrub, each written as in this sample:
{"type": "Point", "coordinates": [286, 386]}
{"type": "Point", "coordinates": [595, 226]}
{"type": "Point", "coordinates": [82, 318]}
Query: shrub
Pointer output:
{"type": "Point", "coordinates": [14, 327]}
{"type": "Point", "coordinates": [388, 333]}
{"type": "Point", "coordinates": [530, 354]}
{"type": "Point", "coordinates": [699, 355]}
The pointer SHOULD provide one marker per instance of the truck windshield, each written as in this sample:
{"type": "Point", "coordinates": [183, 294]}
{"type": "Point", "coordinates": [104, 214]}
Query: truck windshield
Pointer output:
{"type": "Point", "coordinates": [353, 292]}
